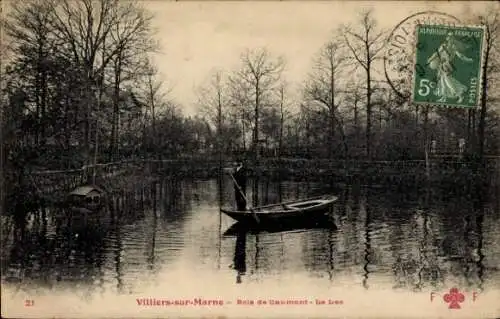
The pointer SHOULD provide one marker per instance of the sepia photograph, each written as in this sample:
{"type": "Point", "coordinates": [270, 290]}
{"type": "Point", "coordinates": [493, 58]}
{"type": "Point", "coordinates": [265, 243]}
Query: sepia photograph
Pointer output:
{"type": "Point", "coordinates": [249, 159]}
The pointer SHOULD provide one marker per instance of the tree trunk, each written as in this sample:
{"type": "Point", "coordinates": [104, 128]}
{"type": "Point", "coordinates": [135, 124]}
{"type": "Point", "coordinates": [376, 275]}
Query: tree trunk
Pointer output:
{"type": "Point", "coordinates": [86, 129]}
{"type": "Point", "coordinates": [426, 128]}
{"type": "Point", "coordinates": [116, 108]}
{"type": "Point", "coordinates": [332, 108]}
{"type": "Point", "coordinates": [331, 144]}
{"type": "Point", "coordinates": [88, 100]}
{"type": "Point", "coordinates": [38, 92]}
{"type": "Point", "coordinates": [368, 109]}
{"type": "Point", "coordinates": [256, 124]}
{"type": "Point", "coordinates": [380, 118]}
{"type": "Point", "coordinates": [484, 94]}
{"type": "Point", "coordinates": [219, 129]}
{"type": "Point", "coordinates": [282, 120]}
{"type": "Point", "coordinates": [469, 127]}
{"type": "Point", "coordinates": [43, 98]}
{"type": "Point", "coordinates": [154, 137]}
{"type": "Point", "coordinates": [356, 125]}
{"type": "Point", "coordinates": [67, 126]}
{"type": "Point", "coordinates": [243, 132]}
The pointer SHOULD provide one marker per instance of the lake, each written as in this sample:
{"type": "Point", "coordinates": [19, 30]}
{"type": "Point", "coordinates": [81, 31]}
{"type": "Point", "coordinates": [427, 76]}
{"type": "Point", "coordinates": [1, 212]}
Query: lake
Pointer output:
{"type": "Point", "coordinates": [169, 241]}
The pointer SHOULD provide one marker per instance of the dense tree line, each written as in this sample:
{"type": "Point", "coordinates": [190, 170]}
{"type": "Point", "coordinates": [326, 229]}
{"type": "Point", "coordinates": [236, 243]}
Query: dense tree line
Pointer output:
{"type": "Point", "coordinates": [348, 108]}
{"type": "Point", "coordinates": [67, 77]}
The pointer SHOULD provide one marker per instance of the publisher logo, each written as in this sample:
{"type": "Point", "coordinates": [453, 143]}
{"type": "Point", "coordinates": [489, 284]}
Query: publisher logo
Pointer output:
{"type": "Point", "coordinates": [454, 298]}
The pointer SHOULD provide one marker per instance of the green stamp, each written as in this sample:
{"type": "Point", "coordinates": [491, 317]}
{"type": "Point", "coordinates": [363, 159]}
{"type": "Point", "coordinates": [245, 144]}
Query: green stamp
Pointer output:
{"type": "Point", "coordinates": [448, 65]}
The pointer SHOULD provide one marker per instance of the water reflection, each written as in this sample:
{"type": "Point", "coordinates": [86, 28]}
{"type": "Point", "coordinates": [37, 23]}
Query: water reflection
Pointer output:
{"type": "Point", "coordinates": [367, 239]}
{"type": "Point", "coordinates": [410, 241]}
{"type": "Point", "coordinates": [52, 249]}
{"type": "Point", "coordinates": [240, 256]}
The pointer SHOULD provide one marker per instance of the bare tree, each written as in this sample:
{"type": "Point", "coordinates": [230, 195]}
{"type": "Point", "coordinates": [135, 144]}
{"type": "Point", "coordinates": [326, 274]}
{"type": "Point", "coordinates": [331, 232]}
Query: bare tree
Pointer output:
{"type": "Point", "coordinates": [213, 104]}
{"type": "Point", "coordinates": [365, 45]}
{"type": "Point", "coordinates": [154, 98]}
{"type": "Point", "coordinates": [259, 75]}
{"type": "Point", "coordinates": [323, 85]}
{"type": "Point", "coordinates": [29, 28]}
{"type": "Point", "coordinates": [131, 36]}
{"type": "Point", "coordinates": [353, 99]}
{"type": "Point", "coordinates": [240, 102]}
{"type": "Point", "coordinates": [274, 118]}
{"type": "Point", "coordinates": [96, 33]}
{"type": "Point", "coordinates": [491, 68]}
{"type": "Point", "coordinates": [283, 116]}
{"type": "Point", "coordinates": [212, 100]}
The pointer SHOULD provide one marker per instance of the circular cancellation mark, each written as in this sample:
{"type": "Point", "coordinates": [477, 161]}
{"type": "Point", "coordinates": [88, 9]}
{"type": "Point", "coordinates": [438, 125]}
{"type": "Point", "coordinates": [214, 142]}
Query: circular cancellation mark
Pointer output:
{"type": "Point", "coordinates": [400, 48]}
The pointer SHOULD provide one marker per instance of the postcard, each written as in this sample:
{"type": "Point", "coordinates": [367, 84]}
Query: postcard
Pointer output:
{"type": "Point", "coordinates": [250, 159]}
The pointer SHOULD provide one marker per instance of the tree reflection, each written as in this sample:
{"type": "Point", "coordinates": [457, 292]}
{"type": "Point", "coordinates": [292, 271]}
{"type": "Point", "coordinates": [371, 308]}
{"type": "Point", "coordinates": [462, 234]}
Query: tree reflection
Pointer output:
{"type": "Point", "coordinates": [331, 253]}
{"type": "Point", "coordinates": [55, 248]}
{"type": "Point", "coordinates": [479, 212]}
{"type": "Point", "coordinates": [418, 237]}
{"type": "Point", "coordinates": [368, 246]}
{"type": "Point", "coordinates": [151, 254]}
{"type": "Point", "coordinates": [220, 203]}
{"type": "Point", "coordinates": [239, 260]}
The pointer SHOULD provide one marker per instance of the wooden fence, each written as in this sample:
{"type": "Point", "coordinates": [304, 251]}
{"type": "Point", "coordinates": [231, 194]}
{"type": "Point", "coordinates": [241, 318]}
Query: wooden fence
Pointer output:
{"type": "Point", "coordinates": [49, 182]}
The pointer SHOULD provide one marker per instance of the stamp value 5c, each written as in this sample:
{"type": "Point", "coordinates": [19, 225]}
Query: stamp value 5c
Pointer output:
{"type": "Point", "coordinates": [448, 65]}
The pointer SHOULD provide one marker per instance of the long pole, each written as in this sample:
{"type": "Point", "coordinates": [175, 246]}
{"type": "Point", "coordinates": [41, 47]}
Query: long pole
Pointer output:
{"type": "Point", "coordinates": [2, 195]}
{"type": "Point", "coordinates": [244, 197]}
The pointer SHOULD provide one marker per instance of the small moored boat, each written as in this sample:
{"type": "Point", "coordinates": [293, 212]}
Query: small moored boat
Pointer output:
{"type": "Point", "coordinates": [305, 209]}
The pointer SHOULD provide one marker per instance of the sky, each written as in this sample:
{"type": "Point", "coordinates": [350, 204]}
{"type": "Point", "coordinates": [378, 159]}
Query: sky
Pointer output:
{"type": "Point", "coordinates": [198, 36]}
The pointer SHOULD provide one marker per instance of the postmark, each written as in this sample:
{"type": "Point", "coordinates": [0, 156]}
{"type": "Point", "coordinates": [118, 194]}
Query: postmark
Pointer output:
{"type": "Point", "coordinates": [448, 65]}
{"type": "Point", "coordinates": [400, 48]}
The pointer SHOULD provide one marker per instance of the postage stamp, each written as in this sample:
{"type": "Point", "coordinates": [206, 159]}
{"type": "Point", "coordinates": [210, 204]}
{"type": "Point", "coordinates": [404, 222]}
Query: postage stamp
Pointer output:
{"type": "Point", "coordinates": [400, 48]}
{"type": "Point", "coordinates": [448, 65]}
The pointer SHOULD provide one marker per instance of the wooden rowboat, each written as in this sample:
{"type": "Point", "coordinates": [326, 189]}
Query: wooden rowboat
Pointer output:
{"type": "Point", "coordinates": [305, 209]}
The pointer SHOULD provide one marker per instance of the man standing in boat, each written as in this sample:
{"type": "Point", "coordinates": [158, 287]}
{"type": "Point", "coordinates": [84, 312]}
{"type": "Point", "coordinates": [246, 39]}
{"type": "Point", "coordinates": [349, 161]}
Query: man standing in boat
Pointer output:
{"type": "Point", "coordinates": [240, 185]}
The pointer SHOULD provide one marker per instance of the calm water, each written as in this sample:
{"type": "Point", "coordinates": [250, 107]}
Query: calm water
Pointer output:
{"type": "Point", "coordinates": [406, 242]}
